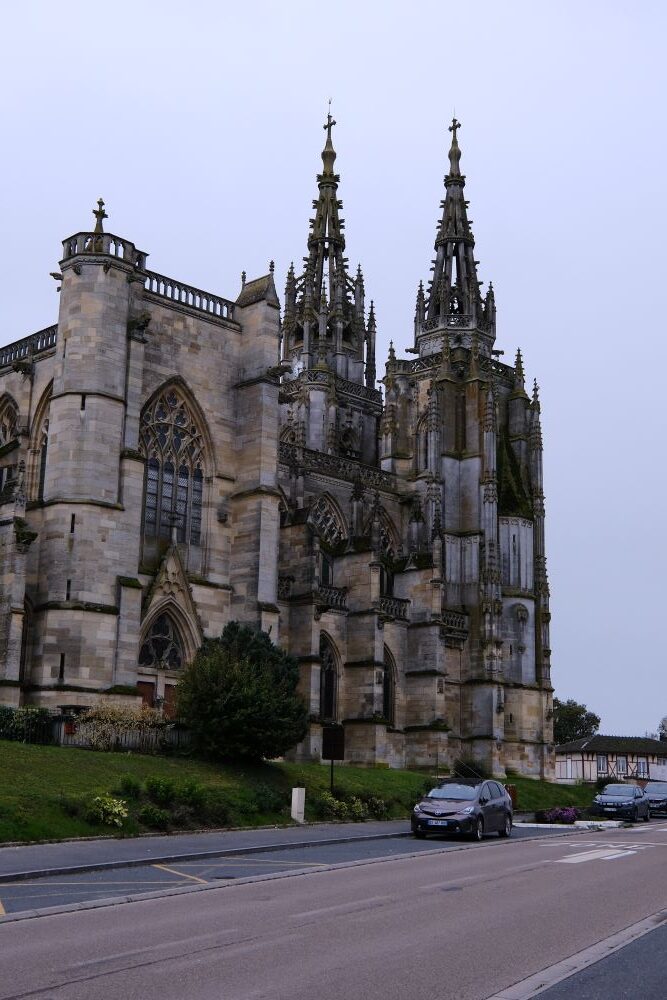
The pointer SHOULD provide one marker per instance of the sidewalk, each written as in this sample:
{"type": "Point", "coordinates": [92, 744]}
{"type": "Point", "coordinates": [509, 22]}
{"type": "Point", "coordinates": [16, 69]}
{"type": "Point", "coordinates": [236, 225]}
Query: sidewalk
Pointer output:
{"type": "Point", "coordinates": [66, 857]}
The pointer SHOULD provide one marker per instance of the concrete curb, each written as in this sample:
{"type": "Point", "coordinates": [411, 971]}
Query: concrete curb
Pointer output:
{"type": "Point", "coordinates": [192, 856]}
{"type": "Point", "coordinates": [577, 825]}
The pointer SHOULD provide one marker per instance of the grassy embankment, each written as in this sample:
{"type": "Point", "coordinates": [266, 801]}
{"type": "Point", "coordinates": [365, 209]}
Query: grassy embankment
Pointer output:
{"type": "Point", "coordinates": [44, 791]}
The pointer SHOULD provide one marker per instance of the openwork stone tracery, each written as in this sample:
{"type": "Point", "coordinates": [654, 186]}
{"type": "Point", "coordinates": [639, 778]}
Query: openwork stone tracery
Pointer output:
{"type": "Point", "coordinates": [173, 444]}
{"type": "Point", "coordinates": [162, 647]}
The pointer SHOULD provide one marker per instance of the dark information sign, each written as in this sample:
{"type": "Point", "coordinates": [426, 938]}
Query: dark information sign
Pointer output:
{"type": "Point", "coordinates": [333, 743]}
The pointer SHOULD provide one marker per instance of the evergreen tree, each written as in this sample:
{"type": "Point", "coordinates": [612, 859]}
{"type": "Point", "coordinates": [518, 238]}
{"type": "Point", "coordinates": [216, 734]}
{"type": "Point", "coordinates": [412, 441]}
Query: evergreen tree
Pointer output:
{"type": "Point", "coordinates": [239, 697]}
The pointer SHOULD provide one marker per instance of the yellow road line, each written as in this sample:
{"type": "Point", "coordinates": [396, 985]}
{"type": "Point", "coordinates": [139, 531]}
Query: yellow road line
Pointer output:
{"type": "Point", "coordinates": [172, 871]}
{"type": "Point", "coordinates": [2, 909]}
{"type": "Point", "coordinates": [249, 861]}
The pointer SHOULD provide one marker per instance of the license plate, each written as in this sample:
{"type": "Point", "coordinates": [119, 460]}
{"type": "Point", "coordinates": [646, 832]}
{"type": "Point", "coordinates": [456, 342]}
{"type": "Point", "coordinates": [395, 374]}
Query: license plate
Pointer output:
{"type": "Point", "coordinates": [610, 809]}
{"type": "Point", "coordinates": [438, 822]}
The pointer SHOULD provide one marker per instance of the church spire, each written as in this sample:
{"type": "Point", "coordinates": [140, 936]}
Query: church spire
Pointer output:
{"type": "Point", "coordinates": [454, 299]}
{"type": "Point", "coordinates": [326, 242]}
{"type": "Point", "coordinates": [338, 335]}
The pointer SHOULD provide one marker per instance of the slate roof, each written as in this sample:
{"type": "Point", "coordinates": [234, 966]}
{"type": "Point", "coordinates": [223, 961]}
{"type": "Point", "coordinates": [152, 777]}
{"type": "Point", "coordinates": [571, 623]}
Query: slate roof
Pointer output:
{"type": "Point", "coordinates": [257, 290]}
{"type": "Point", "coordinates": [615, 744]}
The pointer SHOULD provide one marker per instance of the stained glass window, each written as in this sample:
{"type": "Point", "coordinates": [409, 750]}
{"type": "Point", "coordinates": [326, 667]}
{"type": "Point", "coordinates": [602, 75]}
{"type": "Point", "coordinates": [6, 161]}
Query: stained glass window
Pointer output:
{"type": "Point", "coordinates": [162, 647]}
{"type": "Point", "coordinates": [173, 445]}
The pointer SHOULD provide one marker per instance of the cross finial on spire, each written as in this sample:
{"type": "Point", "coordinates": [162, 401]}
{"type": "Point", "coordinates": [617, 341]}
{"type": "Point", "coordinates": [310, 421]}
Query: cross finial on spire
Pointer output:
{"type": "Point", "coordinates": [454, 127]}
{"type": "Point", "coordinates": [328, 153]}
{"type": "Point", "coordinates": [100, 215]}
{"type": "Point", "coordinates": [330, 123]}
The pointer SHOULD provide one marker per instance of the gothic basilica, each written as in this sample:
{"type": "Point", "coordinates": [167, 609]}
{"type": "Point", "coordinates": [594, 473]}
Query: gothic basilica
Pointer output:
{"type": "Point", "coordinates": [171, 460]}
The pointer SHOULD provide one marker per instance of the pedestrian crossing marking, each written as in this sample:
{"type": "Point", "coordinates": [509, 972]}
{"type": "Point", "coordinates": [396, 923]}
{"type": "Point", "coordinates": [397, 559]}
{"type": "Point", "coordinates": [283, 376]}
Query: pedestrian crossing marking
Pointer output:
{"type": "Point", "coordinates": [600, 854]}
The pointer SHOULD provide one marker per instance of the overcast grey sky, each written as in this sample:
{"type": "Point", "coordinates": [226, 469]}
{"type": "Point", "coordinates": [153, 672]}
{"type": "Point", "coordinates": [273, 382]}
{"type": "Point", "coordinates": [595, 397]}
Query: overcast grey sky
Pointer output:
{"type": "Point", "coordinates": [200, 125]}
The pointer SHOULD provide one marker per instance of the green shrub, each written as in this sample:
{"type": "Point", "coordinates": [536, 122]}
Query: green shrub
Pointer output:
{"type": "Point", "coordinates": [160, 790]}
{"type": "Point", "coordinates": [130, 786]}
{"type": "Point", "coordinates": [332, 808]}
{"type": "Point", "coordinates": [377, 807]}
{"type": "Point", "coordinates": [28, 724]}
{"type": "Point", "coordinates": [268, 799]}
{"type": "Point", "coordinates": [217, 808]}
{"type": "Point", "coordinates": [193, 795]}
{"type": "Point", "coordinates": [154, 817]}
{"type": "Point", "coordinates": [357, 809]}
{"type": "Point", "coordinates": [106, 809]}
{"type": "Point", "coordinates": [182, 815]}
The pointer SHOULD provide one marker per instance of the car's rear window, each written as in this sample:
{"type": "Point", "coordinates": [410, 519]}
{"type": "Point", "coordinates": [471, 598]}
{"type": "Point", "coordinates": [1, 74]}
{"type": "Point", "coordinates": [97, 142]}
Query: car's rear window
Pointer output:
{"type": "Point", "coordinates": [453, 791]}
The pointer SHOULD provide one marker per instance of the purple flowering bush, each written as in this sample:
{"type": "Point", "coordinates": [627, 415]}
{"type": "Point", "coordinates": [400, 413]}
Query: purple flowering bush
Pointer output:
{"type": "Point", "coordinates": [560, 814]}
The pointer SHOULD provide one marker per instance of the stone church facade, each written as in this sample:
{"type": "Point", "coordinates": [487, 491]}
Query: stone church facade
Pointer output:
{"type": "Point", "coordinates": [171, 460]}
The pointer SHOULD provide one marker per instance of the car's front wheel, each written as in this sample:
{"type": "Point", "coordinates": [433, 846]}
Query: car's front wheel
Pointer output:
{"type": "Point", "coordinates": [507, 828]}
{"type": "Point", "coordinates": [648, 814]}
{"type": "Point", "coordinates": [635, 814]}
{"type": "Point", "coordinates": [478, 829]}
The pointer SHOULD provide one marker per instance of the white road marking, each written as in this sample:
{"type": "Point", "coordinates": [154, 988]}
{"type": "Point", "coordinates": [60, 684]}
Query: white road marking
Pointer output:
{"type": "Point", "coordinates": [619, 854]}
{"type": "Point", "coordinates": [597, 855]}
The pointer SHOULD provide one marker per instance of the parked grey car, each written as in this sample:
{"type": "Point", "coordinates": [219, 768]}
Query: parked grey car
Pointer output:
{"type": "Point", "coordinates": [656, 793]}
{"type": "Point", "coordinates": [461, 807]}
{"type": "Point", "coordinates": [627, 801]}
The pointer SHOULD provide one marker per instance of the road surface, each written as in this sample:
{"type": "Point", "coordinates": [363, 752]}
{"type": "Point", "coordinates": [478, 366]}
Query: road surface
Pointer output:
{"type": "Point", "coordinates": [440, 924]}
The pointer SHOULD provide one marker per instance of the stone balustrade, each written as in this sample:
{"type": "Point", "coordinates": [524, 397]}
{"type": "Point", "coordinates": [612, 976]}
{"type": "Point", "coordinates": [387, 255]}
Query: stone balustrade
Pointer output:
{"type": "Point", "coordinates": [186, 295]}
{"type": "Point", "coordinates": [337, 466]}
{"type": "Point", "coordinates": [394, 607]}
{"type": "Point", "coordinates": [331, 598]}
{"type": "Point", "coordinates": [105, 244]}
{"type": "Point", "coordinates": [43, 340]}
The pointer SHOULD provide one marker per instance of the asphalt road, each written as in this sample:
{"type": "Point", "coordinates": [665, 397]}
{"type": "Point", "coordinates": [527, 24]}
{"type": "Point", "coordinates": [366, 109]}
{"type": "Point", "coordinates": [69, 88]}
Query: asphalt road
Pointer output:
{"type": "Point", "coordinates": [439, 924]}
{"type": "Point", "coordinates": [59, 890]}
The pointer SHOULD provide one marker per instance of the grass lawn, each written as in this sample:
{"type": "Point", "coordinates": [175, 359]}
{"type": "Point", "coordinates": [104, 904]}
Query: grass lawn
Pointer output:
{"type": "Point", "coordinates": [44, 790]}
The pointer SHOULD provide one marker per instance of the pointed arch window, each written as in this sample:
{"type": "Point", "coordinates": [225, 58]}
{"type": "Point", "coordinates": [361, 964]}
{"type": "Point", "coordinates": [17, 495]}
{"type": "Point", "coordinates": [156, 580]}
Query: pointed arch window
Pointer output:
{"type": "Point", "coordinates": [162, 649]}
{"type": "Point", "coordinates": [389, 688]}
{"type": "Point", "coordinates": [43, 446]}
{"type": "Point", "coordinates": [325, 520]}
{"type": "Point", "coordinates": [422, 445]}
{"type": "Point", "coordinates": [9, 421]}
{"type": "Point", "coordinates": [328, 682]}
{"type": "Point", "coordinates": [174, 447]}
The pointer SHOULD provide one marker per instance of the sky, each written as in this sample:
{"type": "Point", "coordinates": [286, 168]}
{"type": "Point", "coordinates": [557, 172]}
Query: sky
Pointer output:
{"type": "Point", "coordinates": [200, 125]}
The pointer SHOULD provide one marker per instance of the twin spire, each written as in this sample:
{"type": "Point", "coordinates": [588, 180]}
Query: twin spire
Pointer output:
{"type": "Point", "coordinates": [325, 322]}
{"type": "Point", "coordinates": [454, 298]}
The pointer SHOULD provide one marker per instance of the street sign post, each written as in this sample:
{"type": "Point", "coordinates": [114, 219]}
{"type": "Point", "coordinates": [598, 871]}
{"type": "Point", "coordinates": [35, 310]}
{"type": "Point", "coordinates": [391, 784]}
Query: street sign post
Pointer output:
{"type": "Point", "coordinates": [333, 747]}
